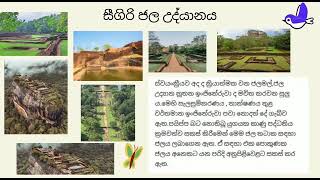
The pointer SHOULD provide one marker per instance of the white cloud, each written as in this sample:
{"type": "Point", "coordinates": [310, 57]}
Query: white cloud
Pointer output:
{"type": "Point", "coordinates": [29, 16]}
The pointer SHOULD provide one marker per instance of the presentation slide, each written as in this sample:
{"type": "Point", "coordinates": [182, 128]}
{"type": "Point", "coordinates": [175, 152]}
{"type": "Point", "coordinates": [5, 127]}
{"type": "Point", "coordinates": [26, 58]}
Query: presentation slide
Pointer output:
{"type": "Point", "coordinates": [159, 89]}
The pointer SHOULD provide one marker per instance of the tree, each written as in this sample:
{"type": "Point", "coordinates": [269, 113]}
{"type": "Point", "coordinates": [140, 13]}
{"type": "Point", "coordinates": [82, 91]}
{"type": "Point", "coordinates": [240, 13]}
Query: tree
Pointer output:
{"type": "Point", "coordinates": [80, 48]}
{"type": "Point", "coordinates": [55, 23]}
{"type": "Point", "coordinates": [106, 46]}
{"type": "Point", "coordinates": [282, 41]}
{"type": "Point", "coordinates": [113, 124]}
{"type": "Point", "coordinates": [220, 40]}
{"type": "Point", "coordinates": [123, 109]}
{"type": "Point", "coordinates": [154, 44]}
{"type": "Point", "coordinates": [9, 21]}
{"type": "Point", "coordinates": [96, 48]}
{"type": "Point", "coordinates": [62, 25]}
{"type": "Point", "coordinates": [91, 128]}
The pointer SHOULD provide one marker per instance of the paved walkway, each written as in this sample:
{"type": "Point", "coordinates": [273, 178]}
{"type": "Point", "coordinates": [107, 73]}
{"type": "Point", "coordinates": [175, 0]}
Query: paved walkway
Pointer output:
{"type": "Point", "coordinates": [174, 65]}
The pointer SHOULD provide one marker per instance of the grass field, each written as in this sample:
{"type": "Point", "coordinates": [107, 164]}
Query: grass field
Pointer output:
{"type": "Point", "coordinates": [281, 64]}
{"type": "Point", "coordinates": [155, 66]}
{"type": "Point", "coordinates": [113, 134]}
{"type": "Point", "coordinates": [29, 46]}
{"type": "Point", "coordinates": [5, 49]}
{"type": "Point", "coordinates": [64, 48]}
{"type": "Point", "coordinates": [37, 36]}
{"type": "Point", "coordinates": [197, 67]}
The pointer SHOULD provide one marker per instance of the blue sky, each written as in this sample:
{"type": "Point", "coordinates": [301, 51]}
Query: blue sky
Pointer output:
{"type": "Point", "coordinates": [167, 38]}
{"type": "Point", "coordinates": [233, 33]}
{"type": "Point", "coordinates": [91, 39]}
{"type": "Point", "coordinates": [29, 16]}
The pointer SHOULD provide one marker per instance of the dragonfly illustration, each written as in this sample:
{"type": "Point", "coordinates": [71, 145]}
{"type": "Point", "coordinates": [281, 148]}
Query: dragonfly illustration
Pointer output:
{"type": "Point", "coordinates": [133, 153]}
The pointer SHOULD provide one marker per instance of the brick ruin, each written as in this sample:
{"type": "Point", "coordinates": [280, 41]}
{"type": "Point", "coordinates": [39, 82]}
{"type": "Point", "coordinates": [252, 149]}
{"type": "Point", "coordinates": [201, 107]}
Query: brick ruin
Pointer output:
{"type": "Point", "coordinates": [266, 60]}
{"type": "Point", "coordinates": [51, 161]}
{"type": "Point", "coordinates": [226, 66]}
{"type": "Point", "coordinates": [236, 57]}
{"type": "Point", "coordinates": [34, 99]}
{"type": "Point", "coordinates": [52, 49]}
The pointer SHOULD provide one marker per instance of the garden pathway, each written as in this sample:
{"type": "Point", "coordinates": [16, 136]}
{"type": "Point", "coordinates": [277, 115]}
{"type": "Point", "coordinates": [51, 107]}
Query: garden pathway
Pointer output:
{"type": "Point", "coordinates": [174, 65]}
{"type": "Point", "coordinates": [105, 116]}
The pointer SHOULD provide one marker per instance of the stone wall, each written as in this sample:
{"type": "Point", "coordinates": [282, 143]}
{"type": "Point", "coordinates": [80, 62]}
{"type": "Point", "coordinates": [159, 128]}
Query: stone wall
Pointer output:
{"type": "Point", "coordinates": [128, 49]}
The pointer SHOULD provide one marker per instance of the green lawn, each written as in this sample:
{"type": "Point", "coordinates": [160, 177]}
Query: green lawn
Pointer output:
{"type": "Point", "coordinates": [18, 53]}
{"type": "Point", "coordinates": [281, 64]}
{"type": "Point", "coordinates": [29, 42]}
{"type": "Point", "coordinates": [6, 45]}
{"type": "Point", "coordinates": [38, 36]}
{"type": "Point", "coordinates": [155, 66]}
{"type": "Point", "coordinates": [6, 51]}
{"type": "Point", "coordinates": [64, 48]}
{"type": "Point", "coordinates": [22, 41]}
{"type": "Point", "coordinates": [197, 67]}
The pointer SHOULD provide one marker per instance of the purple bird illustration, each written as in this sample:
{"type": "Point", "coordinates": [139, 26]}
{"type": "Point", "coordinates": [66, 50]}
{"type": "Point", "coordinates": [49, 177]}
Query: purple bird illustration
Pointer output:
{"type": "Point", "coordinates": [300, 19]}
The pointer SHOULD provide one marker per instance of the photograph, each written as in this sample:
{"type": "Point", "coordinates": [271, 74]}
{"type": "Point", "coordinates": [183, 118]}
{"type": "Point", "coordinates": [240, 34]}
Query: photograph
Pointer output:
{"type": "Point", "coordinates": [177, 51]}
{"type": "Point", "coordinates": [108, 113]}
{"type": "Point", "coordinates": [254, 50]}
{"type": "Point", "coordinates": [65, 158]}
{"type": "Point", "coordinates": [107, 56]}
{"type": "Point", "coordinates": [33, 33]}
{"type": "Point", "coordinates": [36, 99]}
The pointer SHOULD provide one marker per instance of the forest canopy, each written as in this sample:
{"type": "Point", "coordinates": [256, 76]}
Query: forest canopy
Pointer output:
{"type": "Point", "coordinates": [55, 23]}
{"type": "Point", "coordinates": [196, 46]}
{"type": "Point", "coordinates": [122, 109]}
{"type": "Point", "coordinates": [280, 41]}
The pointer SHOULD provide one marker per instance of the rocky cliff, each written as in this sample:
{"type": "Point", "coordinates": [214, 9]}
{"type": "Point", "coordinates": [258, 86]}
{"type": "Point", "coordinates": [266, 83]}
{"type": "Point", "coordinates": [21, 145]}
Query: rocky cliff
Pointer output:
{"type": "Point", "coordinates": [130, 54]}
{"type": "Point", "coordinates": [35, 100]}
{"type": "Point", "coordinates": [50, 161]}
{"type": "Point", "coordinates": [129, 49]}
{"type": "Point", "coordinates": [37, 167]}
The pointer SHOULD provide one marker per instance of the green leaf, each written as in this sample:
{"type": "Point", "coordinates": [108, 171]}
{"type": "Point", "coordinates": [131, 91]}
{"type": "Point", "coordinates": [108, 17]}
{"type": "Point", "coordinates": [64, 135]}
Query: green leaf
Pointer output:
{"type": "Point", "coordinates": [126, 163]}
{"type": "Point", "coordinates": [129, 150]}
{"type": "Point", "coordinates": [138, 153]}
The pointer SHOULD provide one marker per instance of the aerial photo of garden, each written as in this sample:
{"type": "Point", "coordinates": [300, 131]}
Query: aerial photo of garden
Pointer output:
{"type": "Point", "coordinates": [108, 113]}
{"type": "Point", "coordinates": [254, 51]}
{"type": "Point", "coordinates": [33, 34]}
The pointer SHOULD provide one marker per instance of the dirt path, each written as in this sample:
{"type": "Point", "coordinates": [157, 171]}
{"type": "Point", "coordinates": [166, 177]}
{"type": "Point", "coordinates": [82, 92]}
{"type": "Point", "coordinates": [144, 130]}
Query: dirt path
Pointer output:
{"type": "Point", "coordinates": [58, 49]}
{"type": "Point", "coordinates": [174, 65]}
{"type": "Point", "coordinates": [105, 116]}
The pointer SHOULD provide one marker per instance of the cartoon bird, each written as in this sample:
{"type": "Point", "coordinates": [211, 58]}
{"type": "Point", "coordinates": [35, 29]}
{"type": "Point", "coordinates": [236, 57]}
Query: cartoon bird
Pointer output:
{"type": "Point", "coordinates": [132, 154]}
{"type": "Point", "coordinates": [300, 19]}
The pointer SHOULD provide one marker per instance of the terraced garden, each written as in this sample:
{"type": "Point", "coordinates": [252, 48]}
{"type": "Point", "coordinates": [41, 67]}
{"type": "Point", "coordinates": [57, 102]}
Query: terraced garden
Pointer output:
{"type": "Point", "coordinates": [254, 51]}
{"type": "Point", "coordinates": [252, 63]}
{"type": "Point", "coordinates": [18, 44]}
{"type": "Point", "coordinates": [33, 34]}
